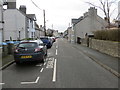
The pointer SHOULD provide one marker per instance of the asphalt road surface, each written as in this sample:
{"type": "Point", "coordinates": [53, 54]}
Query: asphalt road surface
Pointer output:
{"type": "Point", "coordinates": [65, 67]}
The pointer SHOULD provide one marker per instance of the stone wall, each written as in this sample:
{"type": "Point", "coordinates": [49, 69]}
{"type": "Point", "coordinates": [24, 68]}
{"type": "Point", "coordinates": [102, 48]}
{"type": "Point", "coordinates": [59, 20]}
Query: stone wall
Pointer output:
{"type": "Point", "coordinates": [108, 47]}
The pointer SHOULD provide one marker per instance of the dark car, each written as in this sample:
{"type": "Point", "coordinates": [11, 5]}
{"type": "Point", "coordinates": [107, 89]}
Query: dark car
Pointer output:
{"type": "Point", "coordinates": [47, 41]}
{"type": "Point", "coordinates": [33, 50]}
{"type": "Point", "coordinates": [52, 39]}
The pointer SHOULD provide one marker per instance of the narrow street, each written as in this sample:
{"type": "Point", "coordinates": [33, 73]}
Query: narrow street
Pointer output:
{"type": "Point", "coordinates": [65, 67]}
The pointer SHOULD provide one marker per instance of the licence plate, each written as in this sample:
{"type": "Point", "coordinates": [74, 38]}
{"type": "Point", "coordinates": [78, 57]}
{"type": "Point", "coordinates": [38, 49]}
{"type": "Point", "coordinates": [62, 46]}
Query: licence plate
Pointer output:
{"type": "Point", "coordinates": [26, 56]}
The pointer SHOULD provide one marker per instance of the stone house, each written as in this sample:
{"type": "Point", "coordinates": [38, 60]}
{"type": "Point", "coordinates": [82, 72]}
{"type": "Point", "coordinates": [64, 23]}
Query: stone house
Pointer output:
{"type": "Point", "coordinates": [39, 31]}
{"type": "Point", "coordinates": [88, 23]}
{"type": "Point", "coordinates": [70, 35]}
{"type": "Point", "coordinates": [31, 18]}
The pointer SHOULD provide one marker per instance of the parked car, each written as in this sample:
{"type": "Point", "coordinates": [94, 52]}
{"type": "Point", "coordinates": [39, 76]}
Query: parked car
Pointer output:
{"type": "Point", "coordinates": [33, 50]}
{"type": "Point", "coordinates": [53, 39]}
{"type": "Point", "coordinates": [47, 41]}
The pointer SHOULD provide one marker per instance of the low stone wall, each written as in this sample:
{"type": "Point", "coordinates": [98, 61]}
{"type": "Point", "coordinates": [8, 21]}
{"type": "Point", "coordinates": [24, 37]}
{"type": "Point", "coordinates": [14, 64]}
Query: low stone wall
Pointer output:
{"type": "Point", "coordinates": [109, 47]}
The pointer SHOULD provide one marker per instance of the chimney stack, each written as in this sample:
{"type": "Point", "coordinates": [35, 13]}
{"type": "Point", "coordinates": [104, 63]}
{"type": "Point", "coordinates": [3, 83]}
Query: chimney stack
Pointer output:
{"type": "Point", "coordinates": [23, 8]}
{"type": "Point", "coordinates": [11, 4]}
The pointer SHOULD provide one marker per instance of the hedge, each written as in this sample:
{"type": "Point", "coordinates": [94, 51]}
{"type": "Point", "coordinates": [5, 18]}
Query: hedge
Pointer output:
{"type": "Point", "coordinates": [111, 35]}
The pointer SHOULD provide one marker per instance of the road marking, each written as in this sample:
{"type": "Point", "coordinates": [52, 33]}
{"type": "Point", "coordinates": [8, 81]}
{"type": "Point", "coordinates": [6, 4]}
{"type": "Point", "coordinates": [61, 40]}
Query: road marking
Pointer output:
{"type": "Point", "coordinates": [41, 70]}
{"type": "Point", "coordinates": [44, 64]}
{"type": "Point", "coordinates": [39, 65]}
{"type": "Point", "coordinates": [56, 46]}
{"type": "Point", "coordinates": [36, 81]}
{"type": "Point", "coordinates": [46, 59]}
{"type": "Point", "coordinates": [28, 82]}
{"type": "Point", "coordinates": [56, 52]}
{"type": "Point", "coordinates": [2, 83]}
{"type": "Point", "coordinates": [50, 63]}
{"type": "Point", "coordinates": [54, 72]}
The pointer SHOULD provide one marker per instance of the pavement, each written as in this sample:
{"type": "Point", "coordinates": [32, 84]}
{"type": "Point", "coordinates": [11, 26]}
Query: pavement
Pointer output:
{"type": "Point", "coordinates": [106, 61]}
{"type": "Point", "coordinates": [6, 61]}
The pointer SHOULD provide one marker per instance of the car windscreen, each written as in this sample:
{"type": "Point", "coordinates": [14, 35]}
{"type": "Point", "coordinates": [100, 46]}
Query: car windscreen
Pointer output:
{"type": "Point", "coordinates": [44, 38]}
{"type": "Point", "coordinates": [28, 45]}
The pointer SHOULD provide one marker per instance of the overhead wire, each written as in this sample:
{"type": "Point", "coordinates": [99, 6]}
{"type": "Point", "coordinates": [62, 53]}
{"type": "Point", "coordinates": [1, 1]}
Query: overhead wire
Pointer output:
{"type": "Point", "coordinates": [36, 5]}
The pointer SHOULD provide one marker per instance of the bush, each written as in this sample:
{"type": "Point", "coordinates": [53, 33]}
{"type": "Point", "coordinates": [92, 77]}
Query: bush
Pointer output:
{"type": "Point", "coordinates": [112, 35]}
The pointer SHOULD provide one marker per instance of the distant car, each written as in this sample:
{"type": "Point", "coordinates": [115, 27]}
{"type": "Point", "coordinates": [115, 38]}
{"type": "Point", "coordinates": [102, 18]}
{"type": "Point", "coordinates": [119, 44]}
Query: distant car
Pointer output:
{"type": "Point", "coordinates": [53, 39]}
{"type": "Point", "coordinates": [33, 50]}
{"type": "Point", "coordinates": [47, 41]}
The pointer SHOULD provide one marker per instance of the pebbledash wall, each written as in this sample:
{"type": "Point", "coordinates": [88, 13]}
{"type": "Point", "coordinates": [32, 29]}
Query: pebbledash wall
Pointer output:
{"type": "Point", "coordinates": [109, 47]}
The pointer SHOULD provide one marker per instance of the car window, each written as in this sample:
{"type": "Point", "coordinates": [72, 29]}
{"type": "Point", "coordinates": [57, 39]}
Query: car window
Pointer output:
{"type": "Point", "coordinates": [28, 45]}
{"type": "Point", "coordinates": [44, 38]}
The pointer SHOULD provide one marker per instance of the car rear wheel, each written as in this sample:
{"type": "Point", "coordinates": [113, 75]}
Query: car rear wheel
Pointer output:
{"type": "Point", "coordinates": [46, 53]}
{"type": "Point", "coordinates": [43, 59]}
{"type": "Point", "coordinates": [18, 63]}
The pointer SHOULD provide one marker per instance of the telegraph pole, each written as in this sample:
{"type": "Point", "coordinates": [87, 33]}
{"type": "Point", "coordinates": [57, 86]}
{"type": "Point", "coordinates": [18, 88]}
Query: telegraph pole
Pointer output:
{"type": "Point", "coordinates": [44, 22]}
{"type": "Point", "coordinates": [43, 16]}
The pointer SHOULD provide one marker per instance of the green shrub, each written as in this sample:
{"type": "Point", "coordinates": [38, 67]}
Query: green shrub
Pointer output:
{"type": "Point", "coordinates": [112, 35]}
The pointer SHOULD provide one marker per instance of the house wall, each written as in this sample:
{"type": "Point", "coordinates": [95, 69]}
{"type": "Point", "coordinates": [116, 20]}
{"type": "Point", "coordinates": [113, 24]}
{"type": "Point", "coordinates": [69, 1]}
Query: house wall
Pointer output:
{"type": "Point", "coordinates": [15, 21]}
{"type": "Point", "coordinates": [31, 28]}
{"type": "Point", "coordinates": [91, 22]}
{"type": "Point", "coordinates": [70, 35]}
{"type": "Point", "coordinates": [42, 33]}
{"type": "Point", "coordinates": [1, 24]}
{"type": "Point", "coordinates": [55, 33]}
{"type": "Point", "coordinates": [119, 10]}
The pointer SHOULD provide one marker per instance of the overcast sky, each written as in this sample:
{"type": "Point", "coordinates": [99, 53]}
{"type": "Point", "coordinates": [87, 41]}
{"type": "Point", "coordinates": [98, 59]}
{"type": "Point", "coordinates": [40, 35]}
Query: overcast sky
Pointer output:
{"type": "Point", "coordinates": [60, 12]}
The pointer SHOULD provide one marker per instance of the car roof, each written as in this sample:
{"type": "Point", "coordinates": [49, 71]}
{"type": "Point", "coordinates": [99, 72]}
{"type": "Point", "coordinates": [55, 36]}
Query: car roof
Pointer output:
{"type": "Point", "coordinates": [38, 41]}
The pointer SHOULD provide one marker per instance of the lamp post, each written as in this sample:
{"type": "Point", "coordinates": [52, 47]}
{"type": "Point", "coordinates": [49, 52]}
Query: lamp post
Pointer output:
{"type": "Point", "coordinates": [44, 22]}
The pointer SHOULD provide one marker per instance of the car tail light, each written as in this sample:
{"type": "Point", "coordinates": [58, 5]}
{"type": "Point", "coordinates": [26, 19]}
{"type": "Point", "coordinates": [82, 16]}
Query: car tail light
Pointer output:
{"type": "Point", "coordinates": [16, 50]}
{"type": "Point", "coordinates": [37, 49]}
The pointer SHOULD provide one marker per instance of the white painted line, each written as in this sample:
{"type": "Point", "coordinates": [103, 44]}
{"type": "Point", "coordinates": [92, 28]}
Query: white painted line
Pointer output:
{"type": "Point", "coordinates": [54, 72]}
{"type": "Point", "coordinates": [37, 79]}
{"type": "Point", "coordinates": [44, 64]}
{"type": "Point", "coordinates": [28, 82]}
{"type": "Point", "coordinates": [39, 65]}
{"type": "Point", "coordinates": [41, 70]}
{"type": "Point", "coordinates": [47, 59]}
{"type": "Point", "coordinates": [31, 82]}
{"type": "Point", "coordinates": [56, 52]}
{"type": "Point", "coordinates": [2, 83]}
{"type": "Point", "coordinates": [56, 46]}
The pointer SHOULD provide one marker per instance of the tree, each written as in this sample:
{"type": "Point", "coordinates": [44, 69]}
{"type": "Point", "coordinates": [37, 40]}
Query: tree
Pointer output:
{"type": "Point", "coordinates": [105, 6]}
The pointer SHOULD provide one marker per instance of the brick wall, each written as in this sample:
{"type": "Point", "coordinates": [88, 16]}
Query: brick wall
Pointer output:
{"type": "Point", "coordinates": [108, 47]}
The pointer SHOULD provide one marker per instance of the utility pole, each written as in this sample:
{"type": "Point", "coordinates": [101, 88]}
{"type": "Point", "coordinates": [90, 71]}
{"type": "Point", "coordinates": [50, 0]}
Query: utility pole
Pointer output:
{"type": "Point", "coordinates": [43, 16]}
{"type": "Point", "coordinates": [44, 22]}
{"type": "Point", "coordinates": [52, 26]}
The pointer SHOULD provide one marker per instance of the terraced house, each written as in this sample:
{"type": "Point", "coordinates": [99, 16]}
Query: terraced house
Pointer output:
{"type": "Point", "coordinates": [1, 19]}
{"type": "Point", "coordinates": [119, 14]}
{"type": "Point", "coordinates": [18, 25]}
{"type": "Point", "coordinates": [87, 23]}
